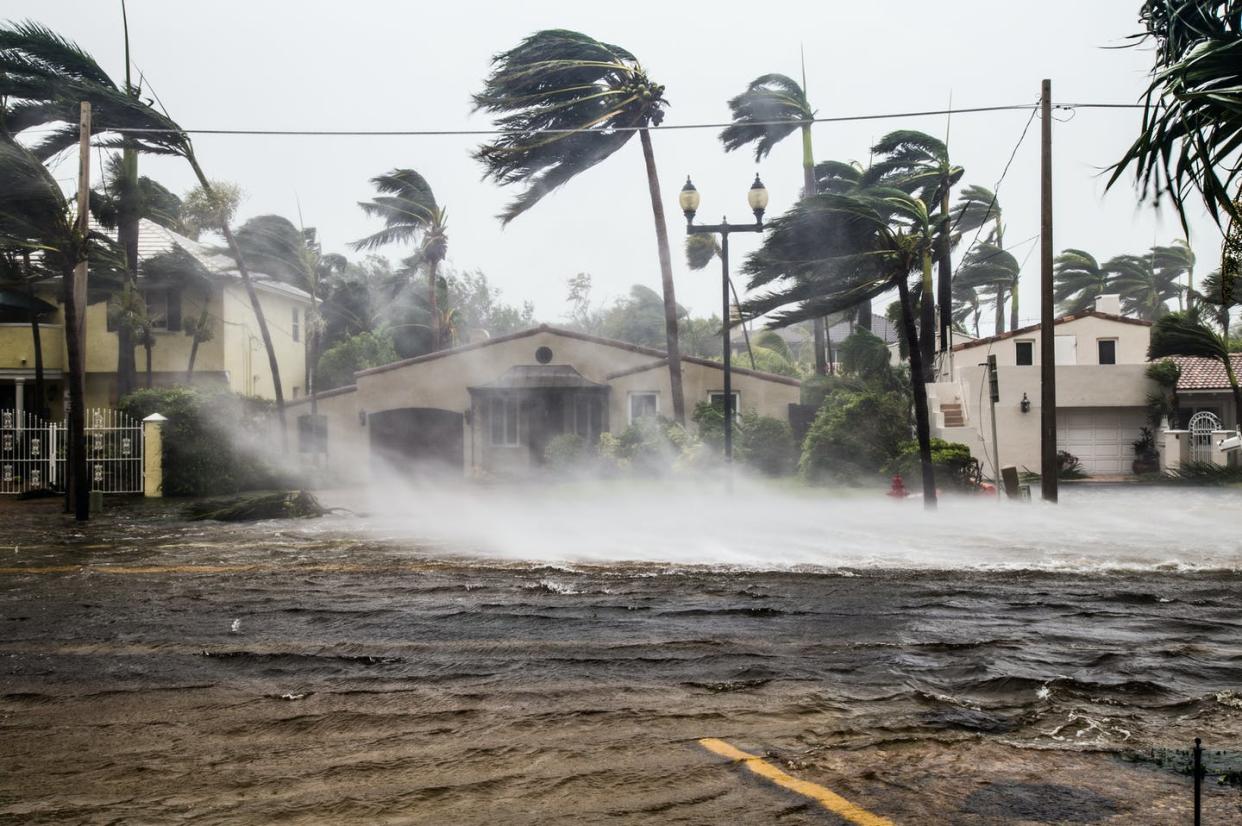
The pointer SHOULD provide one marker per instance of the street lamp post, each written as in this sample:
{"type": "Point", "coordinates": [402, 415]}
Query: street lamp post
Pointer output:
{"type": "Point", "coordinates": [757, 198]}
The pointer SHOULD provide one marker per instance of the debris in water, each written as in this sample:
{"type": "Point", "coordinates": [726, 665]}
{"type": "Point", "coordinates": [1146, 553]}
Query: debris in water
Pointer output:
{"type": "Point", "coordinates": [236, 626]}
{"type": "Point", "coordinates": [293, 504]}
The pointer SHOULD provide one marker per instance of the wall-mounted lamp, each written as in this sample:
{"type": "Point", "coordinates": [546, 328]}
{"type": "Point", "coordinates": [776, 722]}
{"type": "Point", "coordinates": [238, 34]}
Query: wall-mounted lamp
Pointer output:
{"type": "Point", "coordinates": [362, 418]}
{"type": "Point", "coordinates": [1025, 404]}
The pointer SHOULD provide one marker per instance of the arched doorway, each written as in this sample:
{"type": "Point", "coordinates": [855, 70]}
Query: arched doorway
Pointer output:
{"type": "Point", "coordinates": [417, 441]}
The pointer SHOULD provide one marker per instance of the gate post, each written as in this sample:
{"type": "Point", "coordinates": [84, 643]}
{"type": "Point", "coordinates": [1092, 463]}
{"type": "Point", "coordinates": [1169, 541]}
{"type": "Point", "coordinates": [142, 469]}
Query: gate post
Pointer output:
{"type": "Point", "coordinates": [153, 455]}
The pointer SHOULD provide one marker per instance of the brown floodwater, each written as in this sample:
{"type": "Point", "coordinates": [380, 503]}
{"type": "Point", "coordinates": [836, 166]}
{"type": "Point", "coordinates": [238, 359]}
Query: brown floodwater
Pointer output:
{"type": "Point", "coordinates": [154, 670]}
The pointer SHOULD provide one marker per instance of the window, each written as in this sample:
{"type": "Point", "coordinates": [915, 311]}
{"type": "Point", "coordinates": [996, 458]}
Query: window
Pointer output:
{"type": "Point", "coordinates": [163, 310]}
{"type": "Point", "coordinates": [717, 400]}
{"type": "Point", "coordinates": [644, 406]}
{"type": "Point", "coordinates": [503, 420]}
{"type": "Point", "coordinates": [293, 328]}
{"type": "Point", "coordinates": [588, 418]}
{"type": "Point", "coordinates": [1108, 350]}
{"type": "Point", "coordinates": [1025, 352]}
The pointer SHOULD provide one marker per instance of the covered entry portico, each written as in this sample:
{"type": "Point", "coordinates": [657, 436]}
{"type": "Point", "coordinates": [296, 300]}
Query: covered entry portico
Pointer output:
{"type": "Point", "coordinates": [517, 415]}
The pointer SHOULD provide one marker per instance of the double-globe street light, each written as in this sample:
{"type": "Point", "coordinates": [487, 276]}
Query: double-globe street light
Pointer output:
{"type": "Point", "coordinates": [757, 198]}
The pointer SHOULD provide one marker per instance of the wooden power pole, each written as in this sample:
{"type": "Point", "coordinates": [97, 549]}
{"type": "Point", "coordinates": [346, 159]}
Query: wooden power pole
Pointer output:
{"type": "Point", "coordinates": [75, 334]}
{"type": "Point", "coordinates": [1047, 335]}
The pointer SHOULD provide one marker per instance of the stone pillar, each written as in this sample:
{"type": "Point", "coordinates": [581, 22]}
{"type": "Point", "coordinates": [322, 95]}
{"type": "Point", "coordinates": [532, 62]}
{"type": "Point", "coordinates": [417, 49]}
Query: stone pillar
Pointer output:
{"type": "Point", "coordinates": [19, 392]}
{"type": "Point", "coordinates": [153, 455]}
{"type": "Point", "coordinates": [1174, 449]}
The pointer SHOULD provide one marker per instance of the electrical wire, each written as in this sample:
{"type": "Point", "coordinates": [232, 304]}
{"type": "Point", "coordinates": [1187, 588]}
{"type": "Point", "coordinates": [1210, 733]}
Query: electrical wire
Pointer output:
{"type": "Point", "coordinates": [663, 128]}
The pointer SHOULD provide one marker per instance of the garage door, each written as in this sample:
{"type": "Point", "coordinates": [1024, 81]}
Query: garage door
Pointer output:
{"type": "Point", "coordinates": [1102, 439]}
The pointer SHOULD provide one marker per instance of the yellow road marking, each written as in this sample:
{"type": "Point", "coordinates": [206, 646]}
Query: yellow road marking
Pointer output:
{"type": "Point", "coordinates": [829, 800]}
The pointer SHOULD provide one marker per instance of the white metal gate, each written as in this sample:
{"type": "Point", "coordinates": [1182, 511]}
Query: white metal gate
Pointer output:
{"type": "Point", "coordinates": [1201, 426]}
{"type": "Point", "coordinates": [33, 450]}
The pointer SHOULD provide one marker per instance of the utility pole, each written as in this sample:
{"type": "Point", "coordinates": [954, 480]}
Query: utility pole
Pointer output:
{"type": "Point", "coordinates": [79, 487]}
{"type": "Point", "coordinates": [1047, 337]}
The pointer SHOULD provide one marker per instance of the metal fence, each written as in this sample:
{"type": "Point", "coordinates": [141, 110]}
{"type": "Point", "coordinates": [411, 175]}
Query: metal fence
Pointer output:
{"type": "Point", "coordinates": [33, 452]}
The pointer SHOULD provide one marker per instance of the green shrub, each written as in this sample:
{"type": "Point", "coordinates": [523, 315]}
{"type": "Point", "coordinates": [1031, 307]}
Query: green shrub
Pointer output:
{"type": "Point", "coordinates": [566, 451]}
{"type": "Point", "coordinates": [650, 447]}
{"type": "Point", "coordinates": [213, 442]}
{"type": "Point", "coordinates": [765, 443]}
{"type": "Point", "coordinates": [955, 467]}
{"type": "Point", "coordinates": [710, 420]}
{"type": "Point", "coordinates": [857, 432]}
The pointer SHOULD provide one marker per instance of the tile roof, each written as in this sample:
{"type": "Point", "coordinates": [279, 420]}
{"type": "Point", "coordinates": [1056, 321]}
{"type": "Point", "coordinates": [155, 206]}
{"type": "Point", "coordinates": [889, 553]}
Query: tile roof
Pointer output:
{"type": "Point", "coordinates": [1199, 373]}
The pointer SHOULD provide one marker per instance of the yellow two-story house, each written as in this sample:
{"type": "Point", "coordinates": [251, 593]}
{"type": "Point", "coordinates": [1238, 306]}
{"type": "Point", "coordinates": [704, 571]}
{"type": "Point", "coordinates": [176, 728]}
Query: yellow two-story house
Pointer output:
{"type": "Point", "coordinates": [233, 357]}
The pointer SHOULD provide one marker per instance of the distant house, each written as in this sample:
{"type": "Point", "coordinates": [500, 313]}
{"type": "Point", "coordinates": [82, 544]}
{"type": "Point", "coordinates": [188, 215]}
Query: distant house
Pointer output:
{"type": "Point", "coordinates": [1102, 389]}
{"type": "Point", "coordinates": [1203, 386]}
{"type": "Point", "coordinates": [493, 406]}
{"type": "Point", "coordinates": [234, 357]}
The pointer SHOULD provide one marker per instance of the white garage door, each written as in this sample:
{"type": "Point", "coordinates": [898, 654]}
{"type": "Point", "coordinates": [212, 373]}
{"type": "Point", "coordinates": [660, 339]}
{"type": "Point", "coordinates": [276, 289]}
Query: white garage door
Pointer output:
{"type": "Point", "coordinates": [1102, 439]}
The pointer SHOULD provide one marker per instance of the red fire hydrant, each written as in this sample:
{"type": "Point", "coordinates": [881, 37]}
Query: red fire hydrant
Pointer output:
{"type": "Point", "coordinates": [898, 490]}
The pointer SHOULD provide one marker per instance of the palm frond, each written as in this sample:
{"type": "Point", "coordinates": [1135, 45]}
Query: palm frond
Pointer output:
{"type": "Point", "coordinates": [772, 107]}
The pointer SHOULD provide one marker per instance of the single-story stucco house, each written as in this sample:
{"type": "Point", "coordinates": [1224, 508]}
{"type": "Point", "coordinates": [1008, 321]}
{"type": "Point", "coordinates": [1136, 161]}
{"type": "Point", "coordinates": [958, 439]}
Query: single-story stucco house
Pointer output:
{"type": "Point", "coordinates": [491, 407]}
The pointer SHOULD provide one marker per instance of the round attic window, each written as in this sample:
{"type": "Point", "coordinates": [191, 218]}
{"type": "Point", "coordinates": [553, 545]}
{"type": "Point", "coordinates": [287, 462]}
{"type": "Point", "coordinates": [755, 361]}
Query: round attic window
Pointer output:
{"type": "Point", "coordinates": [543, 355]}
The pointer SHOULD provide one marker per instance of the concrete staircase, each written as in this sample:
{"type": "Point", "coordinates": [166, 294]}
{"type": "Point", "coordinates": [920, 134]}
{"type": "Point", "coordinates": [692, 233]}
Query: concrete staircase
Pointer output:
{"type": "Point", "coordinates": [953, 415]}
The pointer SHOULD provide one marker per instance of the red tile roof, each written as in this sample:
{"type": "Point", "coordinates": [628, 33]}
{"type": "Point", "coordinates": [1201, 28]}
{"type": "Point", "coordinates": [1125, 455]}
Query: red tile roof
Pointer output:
{"type": "Point", "coordinates": [1199, 373]}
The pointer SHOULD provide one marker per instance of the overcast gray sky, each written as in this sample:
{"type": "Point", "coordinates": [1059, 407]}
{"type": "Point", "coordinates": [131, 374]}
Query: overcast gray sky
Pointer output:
{"type": "Point", "coordinates": [401, 65]}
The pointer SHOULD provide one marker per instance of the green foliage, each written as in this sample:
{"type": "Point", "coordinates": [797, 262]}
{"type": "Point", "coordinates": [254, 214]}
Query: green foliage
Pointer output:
{"type": "Point", "coordinates": [700, 250]}
{"type": "Point", "coordinates": [338, 363]}
{"type": "Point", "coordinates": [1164, 402]}
{"type": "Point", "coordinates": [866, 355]}
{"type": "Point", "coordinates": [213, 443]}
{"type": "Point", "coordinates": [649, 447]}
{"type": "Point", "coordinates": [710, 420]}
{"type": "Point", "coordinates": [772, 107]}
{"type": "Point", "coordinates": [480, 308]}
{"type": "Point", "coordinates": [765, 443]}
{"type": "Point", "coordinates": [955, 467]}
{"type": "Point", "coordinates": [205, 210]}
{"type": "Point", "coordinates": [857, 432]}
{"type": "Point", "coordinates": [772, 361]}
{"type": "Point", "coordinates": [1205, 473]}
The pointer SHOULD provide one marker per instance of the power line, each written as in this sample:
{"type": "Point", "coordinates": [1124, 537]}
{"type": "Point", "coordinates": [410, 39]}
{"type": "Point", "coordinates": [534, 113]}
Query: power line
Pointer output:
{"type": "Point", "coordinates": [663, 128]}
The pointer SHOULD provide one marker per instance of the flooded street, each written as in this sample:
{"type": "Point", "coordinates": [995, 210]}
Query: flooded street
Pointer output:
{"type": "Point", "coordinates": [345, 670]}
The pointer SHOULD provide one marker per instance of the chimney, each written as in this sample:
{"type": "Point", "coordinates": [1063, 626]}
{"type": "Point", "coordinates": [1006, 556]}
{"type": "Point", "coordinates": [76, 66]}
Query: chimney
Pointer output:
{"type": "Point", "coordinates": [1110, 304]}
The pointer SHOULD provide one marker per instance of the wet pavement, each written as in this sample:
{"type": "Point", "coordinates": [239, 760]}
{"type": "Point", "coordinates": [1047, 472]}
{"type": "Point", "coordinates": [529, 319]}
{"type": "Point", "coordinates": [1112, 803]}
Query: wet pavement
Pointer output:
{"type": "Point", "coordinates": [154, 670]}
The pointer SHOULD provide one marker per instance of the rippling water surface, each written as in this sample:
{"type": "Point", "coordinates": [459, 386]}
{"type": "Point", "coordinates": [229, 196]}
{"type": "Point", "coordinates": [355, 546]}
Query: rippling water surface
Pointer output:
{"type": "Point", "coordinates": [553, 655]}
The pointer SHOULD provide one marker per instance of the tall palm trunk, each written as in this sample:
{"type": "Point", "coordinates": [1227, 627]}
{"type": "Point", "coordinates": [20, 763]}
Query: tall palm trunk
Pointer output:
{"type": "Point", "coordinates": [999, 318]}
{"type": "Point", "coordinates": [198, 329]}
{"type": "Point", "coordinates": [260, 317]}
{"type": "Point", "coordinates": [1013, 305]}
{"type": "Point", "coordinates": [147, 344]}
{"type": "Point", "coordinates": [944, 293]}
{"type": "Point", "coordinates": [818, 327]}
{"type": "Point", "coordinates": [666, 277]}
{"type": "Point", "coordinates": [922, 421]}
{"type": "Point", "coordinates": [927, 322]}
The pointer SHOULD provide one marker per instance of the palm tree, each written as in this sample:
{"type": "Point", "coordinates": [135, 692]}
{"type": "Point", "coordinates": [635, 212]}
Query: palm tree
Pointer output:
{"type": "Point", "coordinates": [967, 304]}
{"type": "Point", "coordinates": [565, 102]}
{"type": "Point", "coordinates": [291, 254]}
{"type": "Point", "coordinates": [1172, 261]}
{"type": "Point", "coordinates": [1144, 289]}
{"type": "Point", "coordinates": [35, 216]}
{"type": "Point", "coordinates": [771, 109]}
{"type": "Point", "coordinates": [1078, 281]}
{"type": "Point", "coordinates": [919, 164]}
{"type": "Point", "coordinates": [43, 79]}
{"type": "Point", "coordinates": [993, 271]}
{"type": "Point", "coordinates": [1192, 123]}
{"type": "Point", "coordinates": [977, 207]}
{"type": "Point", "coordinates": [841, 177]}
{"type": "Point", "coordinates": [410, 213]}
{"type": "Point", "coordinates": [831, 251]}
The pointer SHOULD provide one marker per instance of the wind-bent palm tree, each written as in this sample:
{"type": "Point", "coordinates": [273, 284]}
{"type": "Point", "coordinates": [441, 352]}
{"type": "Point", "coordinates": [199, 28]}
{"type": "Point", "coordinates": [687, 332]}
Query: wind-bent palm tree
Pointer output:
{"type": "Point", "coordinates": [291, 254]}
{"type": "Point", "coordinates": [1144, 289]}
{"type": "Point", "coordinates": [34, 216]}
{"type": "Point", "coordinates": [919, 164]}
{"type": "Point", "coordinates": [43, 79]}
{"type": "Point", "coordinates": [832, 250]}
{"type": "Point", "coordinates": [995, 272]}
{"type": "Point", "coordinates": [410, 213]}
{"type": "Point", "coordinates": [771, 109]}
{"type": "Point", "coordinates": [1078, 281]}
{"type": "Point", "coordinates": [967, 305]}
{"type": "Point", "coordinates": [595, 96]}
{"type": "Point", "coordinates": [841, 177]}
{"type": "Point", "coordinates": [977, 207]}
{"type": "Point", "coordinates": [1191, 136]}
{"type": "Point", "coordinates": [1171, 262]}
